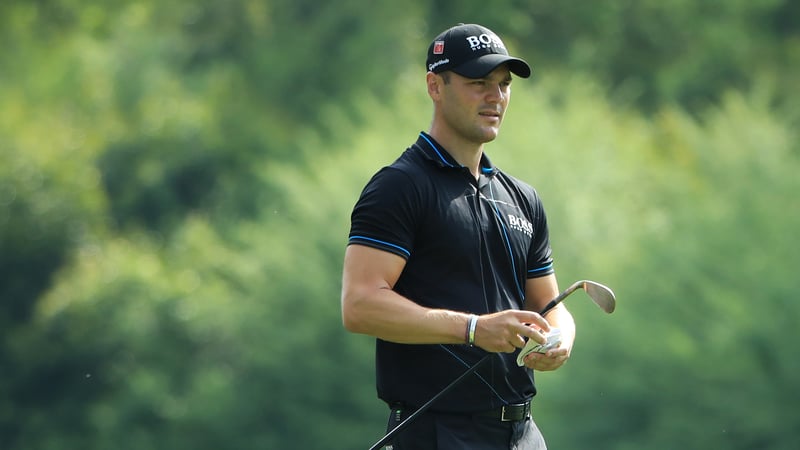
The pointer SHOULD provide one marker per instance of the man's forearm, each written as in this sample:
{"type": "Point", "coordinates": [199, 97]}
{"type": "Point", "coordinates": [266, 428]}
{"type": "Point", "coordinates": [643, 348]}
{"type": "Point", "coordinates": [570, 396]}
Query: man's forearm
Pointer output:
{"type": "Point", "coordinates": [394, 318]}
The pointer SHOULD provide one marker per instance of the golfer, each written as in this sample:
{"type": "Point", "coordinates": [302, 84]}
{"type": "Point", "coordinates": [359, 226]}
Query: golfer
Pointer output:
{"type": "Point", "coordinates": [449, 258]}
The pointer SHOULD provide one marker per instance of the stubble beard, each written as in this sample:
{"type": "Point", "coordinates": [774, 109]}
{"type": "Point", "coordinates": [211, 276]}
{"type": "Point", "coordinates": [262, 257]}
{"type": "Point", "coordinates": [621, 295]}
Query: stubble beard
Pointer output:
{"type": "Point", "coordinates": [476, 132]}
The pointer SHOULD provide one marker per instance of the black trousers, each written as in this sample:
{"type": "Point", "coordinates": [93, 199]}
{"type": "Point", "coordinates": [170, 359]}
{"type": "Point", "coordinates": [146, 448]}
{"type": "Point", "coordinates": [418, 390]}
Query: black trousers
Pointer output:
{"type": "Point", "coordinates": [443, 431]}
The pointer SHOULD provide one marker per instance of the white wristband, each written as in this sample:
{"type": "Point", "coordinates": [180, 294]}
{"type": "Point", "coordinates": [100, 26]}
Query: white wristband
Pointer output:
{"type": "Point", "coordinates": [473, 323]}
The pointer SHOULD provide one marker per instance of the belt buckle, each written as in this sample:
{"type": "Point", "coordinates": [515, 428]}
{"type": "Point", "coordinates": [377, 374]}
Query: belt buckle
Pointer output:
{"type": "Point", "coordinates": [503, 417]}
{"type": "Point", "coordinates": [525, 414]}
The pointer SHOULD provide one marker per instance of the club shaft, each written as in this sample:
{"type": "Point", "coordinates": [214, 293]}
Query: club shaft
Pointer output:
{"type": "Point", "coordinates": [552, 304]}
{"type": "Point", "coordinates": [427, 405]}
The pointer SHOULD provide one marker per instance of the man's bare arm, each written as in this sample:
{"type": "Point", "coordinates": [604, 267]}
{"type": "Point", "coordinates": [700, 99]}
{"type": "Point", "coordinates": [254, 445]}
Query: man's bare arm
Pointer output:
{"type": "Point", "coordinates": [371, 306]}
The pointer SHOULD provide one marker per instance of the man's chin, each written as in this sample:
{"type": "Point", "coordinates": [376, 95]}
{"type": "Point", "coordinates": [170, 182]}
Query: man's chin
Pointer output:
{"type": "Point", "coordinates": [482, 135]}
{"type": "Point", "coordinates": [490, 134]}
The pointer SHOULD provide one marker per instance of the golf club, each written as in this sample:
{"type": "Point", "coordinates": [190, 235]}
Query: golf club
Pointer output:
{"type": "Point", "coordinates": [600, 294]}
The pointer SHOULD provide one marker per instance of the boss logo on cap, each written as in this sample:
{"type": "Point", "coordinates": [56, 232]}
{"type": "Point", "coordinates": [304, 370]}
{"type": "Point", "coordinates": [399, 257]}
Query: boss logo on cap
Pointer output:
{"type": "Point", "coordinates": [484, 41]}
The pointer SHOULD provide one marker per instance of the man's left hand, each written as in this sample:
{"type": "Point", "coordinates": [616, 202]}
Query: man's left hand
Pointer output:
{"type": "Point", "coordinates": [545, 362]}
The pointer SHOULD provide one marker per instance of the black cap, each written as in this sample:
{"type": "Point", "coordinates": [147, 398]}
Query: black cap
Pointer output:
{"type": "Point", "coordinates": [472, 51]}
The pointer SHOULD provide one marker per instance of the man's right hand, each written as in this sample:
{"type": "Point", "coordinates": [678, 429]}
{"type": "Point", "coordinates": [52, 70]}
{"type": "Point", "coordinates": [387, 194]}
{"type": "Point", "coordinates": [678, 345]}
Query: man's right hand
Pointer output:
{"type": "Point", "coordinates": [506, 331]}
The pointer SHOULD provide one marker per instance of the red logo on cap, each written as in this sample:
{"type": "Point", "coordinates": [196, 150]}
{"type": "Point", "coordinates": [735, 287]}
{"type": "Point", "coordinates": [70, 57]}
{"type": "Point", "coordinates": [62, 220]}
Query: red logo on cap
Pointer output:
{"type": "Point", "coordinates": [438, 47]}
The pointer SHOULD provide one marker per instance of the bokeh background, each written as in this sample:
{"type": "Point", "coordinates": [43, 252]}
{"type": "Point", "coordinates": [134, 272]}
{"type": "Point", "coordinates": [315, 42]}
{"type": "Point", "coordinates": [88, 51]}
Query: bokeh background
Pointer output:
{"type": "Point", "coordinates": [176, 179]}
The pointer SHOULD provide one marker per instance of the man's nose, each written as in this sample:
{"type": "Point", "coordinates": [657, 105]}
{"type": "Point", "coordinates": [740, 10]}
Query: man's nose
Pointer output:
{"type": "Point", "coordinates": [495, 94]}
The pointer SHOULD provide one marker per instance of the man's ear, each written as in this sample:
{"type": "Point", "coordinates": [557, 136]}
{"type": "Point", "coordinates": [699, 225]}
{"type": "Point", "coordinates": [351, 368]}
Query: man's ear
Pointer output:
{"type": "Point", "coordinates": [434, 85]}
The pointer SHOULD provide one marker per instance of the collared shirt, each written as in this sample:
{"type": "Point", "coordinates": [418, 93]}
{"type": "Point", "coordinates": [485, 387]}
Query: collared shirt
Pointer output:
{"type": "Point", "coordinates": [469, 244]}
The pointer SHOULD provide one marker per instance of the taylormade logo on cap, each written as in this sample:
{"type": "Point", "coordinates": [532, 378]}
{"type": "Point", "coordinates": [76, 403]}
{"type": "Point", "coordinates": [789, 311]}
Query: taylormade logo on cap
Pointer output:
{"type": "Point", "coordinates": [472, 51]}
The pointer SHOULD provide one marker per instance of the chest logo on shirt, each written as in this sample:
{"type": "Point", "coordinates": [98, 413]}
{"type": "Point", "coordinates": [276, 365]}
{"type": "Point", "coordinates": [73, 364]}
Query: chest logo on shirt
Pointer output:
{"type": "Point", "coordinates": [520, 224]}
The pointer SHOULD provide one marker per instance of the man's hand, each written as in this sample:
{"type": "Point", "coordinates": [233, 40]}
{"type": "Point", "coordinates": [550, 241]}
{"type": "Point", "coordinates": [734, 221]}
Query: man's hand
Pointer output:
{"type": "Point", "coordinates": [544, 362]}
{"type": "Point", "coordinates": [506, 331]}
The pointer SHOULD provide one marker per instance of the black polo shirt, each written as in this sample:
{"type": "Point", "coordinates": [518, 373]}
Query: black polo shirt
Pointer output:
{"type": "Point", "coordinates": [469, 246]}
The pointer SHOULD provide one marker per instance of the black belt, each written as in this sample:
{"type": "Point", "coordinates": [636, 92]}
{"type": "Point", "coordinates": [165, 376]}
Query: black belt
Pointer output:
{"type": "Point", "coordinates": [508, 413]}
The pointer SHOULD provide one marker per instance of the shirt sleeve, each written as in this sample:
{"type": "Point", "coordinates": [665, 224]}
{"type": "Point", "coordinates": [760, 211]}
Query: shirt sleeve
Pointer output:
{"type": "Point", "coordinates": [384, 216]}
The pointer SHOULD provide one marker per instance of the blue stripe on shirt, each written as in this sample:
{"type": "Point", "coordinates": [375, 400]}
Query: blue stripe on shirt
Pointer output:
{"type": "Point", "coordinates": [364, 238]}
{"type": "Point", "coordinates": [541, 269]}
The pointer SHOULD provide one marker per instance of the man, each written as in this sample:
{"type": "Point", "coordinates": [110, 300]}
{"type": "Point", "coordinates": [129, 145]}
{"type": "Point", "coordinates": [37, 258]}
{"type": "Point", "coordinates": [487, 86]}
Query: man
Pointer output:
{"type": "Point", "coordinates": [449, 258]}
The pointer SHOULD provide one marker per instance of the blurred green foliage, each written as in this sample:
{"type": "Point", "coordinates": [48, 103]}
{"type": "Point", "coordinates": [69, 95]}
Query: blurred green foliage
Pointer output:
{"type": "Point", "coordinates": [176, 180]}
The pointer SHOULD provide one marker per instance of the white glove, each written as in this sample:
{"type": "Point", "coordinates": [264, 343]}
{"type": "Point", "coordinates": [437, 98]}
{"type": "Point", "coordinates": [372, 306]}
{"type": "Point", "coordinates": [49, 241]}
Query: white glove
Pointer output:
{"type": "Point", "coordinates": [553, 341]}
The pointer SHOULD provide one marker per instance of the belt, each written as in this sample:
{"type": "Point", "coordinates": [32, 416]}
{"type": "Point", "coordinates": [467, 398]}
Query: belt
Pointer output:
{"type": "Point", "coordinates": [508, 413]}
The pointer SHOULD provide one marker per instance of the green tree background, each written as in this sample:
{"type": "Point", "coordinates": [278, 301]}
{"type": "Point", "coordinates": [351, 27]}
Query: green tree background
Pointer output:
{"type": "Point", "coordinates": [176, 180]}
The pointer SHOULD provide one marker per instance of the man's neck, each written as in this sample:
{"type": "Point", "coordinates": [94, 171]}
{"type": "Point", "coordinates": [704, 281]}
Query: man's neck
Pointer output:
{"type": "Point", "coordinates": [466, 153]}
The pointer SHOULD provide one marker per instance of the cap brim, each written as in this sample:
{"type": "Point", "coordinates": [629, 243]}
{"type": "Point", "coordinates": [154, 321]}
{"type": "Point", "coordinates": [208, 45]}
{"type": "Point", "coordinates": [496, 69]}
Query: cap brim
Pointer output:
{"type": "Point", "coordinates": [480, 67]}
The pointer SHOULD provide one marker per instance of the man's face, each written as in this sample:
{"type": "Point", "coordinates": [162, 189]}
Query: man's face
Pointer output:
{"type": "Point", "coordinates": [474, 107]}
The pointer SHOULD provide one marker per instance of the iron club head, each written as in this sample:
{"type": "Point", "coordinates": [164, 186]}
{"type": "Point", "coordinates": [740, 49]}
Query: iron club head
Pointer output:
{"type": "Point", "coordinates": [600, 294]}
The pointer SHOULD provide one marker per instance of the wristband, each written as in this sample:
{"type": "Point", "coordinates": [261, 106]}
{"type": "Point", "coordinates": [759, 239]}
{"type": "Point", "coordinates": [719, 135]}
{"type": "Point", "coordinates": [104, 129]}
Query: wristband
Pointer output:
{"type": "Point", "coordinates": [473, 323]}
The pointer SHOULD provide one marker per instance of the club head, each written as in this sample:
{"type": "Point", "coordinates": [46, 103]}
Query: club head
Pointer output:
{"type": "Point", "coordinates": [601, 295]}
